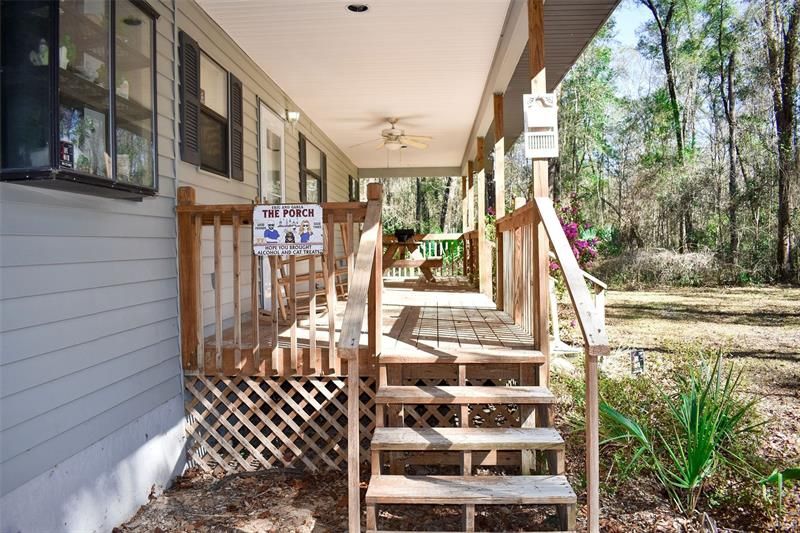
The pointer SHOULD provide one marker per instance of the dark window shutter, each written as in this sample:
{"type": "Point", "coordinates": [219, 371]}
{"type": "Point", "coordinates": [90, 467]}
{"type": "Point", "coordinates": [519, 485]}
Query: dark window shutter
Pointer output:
{"type": "Point", "coordinates": [324, 178]}
{"type": "Point", "coordinates": [237, 128]}
{"type": "Point", "coordinates": [303, 177]}
{"type": "Point", "coordinates": [190, 99]}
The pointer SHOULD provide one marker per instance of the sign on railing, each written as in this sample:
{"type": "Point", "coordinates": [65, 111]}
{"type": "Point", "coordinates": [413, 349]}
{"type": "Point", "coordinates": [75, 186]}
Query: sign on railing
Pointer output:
{"type": "Point", "coordinates": [290, 229]}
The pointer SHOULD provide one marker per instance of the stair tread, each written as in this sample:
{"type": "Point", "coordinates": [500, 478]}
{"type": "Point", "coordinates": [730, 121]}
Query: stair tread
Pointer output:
{"type": "Point", "coordinates": [413, 394]}
{"type": "Point", "coordinates": [481, 490]}
{"type": "Point", "coordinates": [457, 356]}
{"type": "Point", "coordinates": [411, 439]}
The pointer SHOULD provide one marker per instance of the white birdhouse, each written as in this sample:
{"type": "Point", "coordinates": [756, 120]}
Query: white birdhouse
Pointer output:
{"type": "Point", "coordinates": [541, 125]}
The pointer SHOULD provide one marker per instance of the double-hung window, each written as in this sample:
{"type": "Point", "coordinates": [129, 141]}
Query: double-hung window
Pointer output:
{"type": "Point", "coordinates": [313, 182]}
{"type": "Point", "coordinates": [211, 113]}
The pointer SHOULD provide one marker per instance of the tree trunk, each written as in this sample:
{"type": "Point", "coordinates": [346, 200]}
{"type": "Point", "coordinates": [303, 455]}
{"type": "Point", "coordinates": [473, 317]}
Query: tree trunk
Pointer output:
{"type": "Point", "coordinates": [729, 102]}
{"type": "Point", "coordinates": [666, 54]}
{"type": "Point", "coordinates": [782, 62]}
{"type": "Point", "coordinates": [445, 203]}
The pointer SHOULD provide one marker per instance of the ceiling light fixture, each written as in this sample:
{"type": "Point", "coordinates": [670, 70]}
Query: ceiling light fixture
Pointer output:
{"type": "Point", "coordinates": [357, 8]}
{"type": "Point", "coordinates": [393, 146]}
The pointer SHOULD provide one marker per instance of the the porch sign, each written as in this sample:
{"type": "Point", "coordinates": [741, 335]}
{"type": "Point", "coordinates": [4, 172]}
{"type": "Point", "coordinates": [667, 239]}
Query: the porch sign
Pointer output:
{"type": "Point", "coordinates": [287, 229]}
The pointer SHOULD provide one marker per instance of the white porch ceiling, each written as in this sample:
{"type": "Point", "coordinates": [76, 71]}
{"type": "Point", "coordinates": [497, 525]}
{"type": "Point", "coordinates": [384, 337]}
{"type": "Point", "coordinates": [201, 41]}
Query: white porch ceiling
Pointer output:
{"type": "Point", "coordinates": [426, 62]}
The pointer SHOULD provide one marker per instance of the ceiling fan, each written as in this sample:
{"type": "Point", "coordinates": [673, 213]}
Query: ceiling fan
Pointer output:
{"type": "Point", "coordinates": [393, 139]}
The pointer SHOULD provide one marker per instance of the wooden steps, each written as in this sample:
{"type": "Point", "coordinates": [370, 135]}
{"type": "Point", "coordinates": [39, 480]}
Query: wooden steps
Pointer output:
{"type": "Point", "coordinates": [465, 439]}
{"type": "Point", "coordinates": [458, 356]}
{"type": "Point", "coordinates": [411, 394]}
{"type": "Point", "coordinates": [474, 490]}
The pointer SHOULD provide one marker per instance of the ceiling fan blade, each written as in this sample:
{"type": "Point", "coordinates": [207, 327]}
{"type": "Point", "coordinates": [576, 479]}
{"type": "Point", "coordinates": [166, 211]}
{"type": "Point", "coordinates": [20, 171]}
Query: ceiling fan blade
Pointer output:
{"type": "Point", "coordinates": [418, 137]}
{"type": "Point", "coordinates": [381, 145]}
{"type": "Point", "coordinates": [366, 142]}
{"type": "Point", "coordinates": [415, 144]}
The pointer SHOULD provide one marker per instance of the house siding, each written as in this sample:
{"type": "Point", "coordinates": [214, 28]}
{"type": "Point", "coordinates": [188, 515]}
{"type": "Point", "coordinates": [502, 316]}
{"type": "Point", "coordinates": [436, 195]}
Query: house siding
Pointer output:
{"type": "Point", "coordinates": [90, 377]}
{"type": "Point", "coordinates": [89, 324]}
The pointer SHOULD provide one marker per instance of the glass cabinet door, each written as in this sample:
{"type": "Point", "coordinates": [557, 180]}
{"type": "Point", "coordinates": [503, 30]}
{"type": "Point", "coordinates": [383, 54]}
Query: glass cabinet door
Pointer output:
{"type": "Point", "coordinates": [25, 87]}
{"type": "Point", "coordinates": [134, 95]}
{"type": "Point", "coordinates": [83, 82]}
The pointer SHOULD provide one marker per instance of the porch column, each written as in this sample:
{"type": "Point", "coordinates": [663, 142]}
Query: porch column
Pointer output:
{"type": "Point", "coordinates": [499, 192]}
{"type": "Point", "coordinates": [541, 188]}
{"type": "Point", "coordinates": [472, 263]}
{"type": "Point", "coordinates": [484, 261]}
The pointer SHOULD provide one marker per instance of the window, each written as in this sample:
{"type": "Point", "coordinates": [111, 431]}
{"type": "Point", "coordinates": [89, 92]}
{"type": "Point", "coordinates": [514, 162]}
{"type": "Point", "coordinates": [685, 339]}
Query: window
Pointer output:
{"type": "Point", "coordinates": [213, 116]}
{"type": "Point", "coordinates": [95, 61]}
{"type": "Point", "coordinates": [211, 113]}
{"type": "Point", "coordinates": [313, 183]}
{"type": "Point", "coordinates": [354, 189]}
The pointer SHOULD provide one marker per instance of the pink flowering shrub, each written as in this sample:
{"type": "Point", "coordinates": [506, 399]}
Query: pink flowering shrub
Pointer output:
{"type": "Point", "coordinates": [580, 233]}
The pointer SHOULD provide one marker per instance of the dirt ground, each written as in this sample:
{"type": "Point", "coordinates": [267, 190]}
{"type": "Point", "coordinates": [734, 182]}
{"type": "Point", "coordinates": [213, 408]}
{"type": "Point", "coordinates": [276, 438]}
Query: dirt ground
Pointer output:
{"type": "Point", "coordinates": [760, 327]}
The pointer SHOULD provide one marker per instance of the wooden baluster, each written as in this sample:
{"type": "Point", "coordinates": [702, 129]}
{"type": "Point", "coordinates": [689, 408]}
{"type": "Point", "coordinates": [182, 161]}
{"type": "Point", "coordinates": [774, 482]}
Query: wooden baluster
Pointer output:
{"type": "Point", "coordinates": [500, 274]}
{"type": "Point", "coordinates": [333, 360]}
{"type": "Point", "coordinates": [198, 281]}
{"type": "Point", "coordinates": [348, 235]}
{"type": "Point", "coordinates": [237, 296]}
{"type": "Point", "coordinates": [254, 314]}
{"type": "Point", "coordinates": [312, 317]}
{"type": "Point", "coordinates": [292, 355]}
{"type": "Point", "coordinates": [218, 291]}
{"type": "Point", "coordinates": [275, 366]}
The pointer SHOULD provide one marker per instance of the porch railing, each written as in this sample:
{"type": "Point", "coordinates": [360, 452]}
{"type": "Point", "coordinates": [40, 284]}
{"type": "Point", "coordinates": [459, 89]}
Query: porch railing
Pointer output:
{"type": "Point", "coordinates": [515, 294]}
{"type": "Point", "coordinates": [225, 329]}
{"type": "Point", "coordinates": [365, 292]}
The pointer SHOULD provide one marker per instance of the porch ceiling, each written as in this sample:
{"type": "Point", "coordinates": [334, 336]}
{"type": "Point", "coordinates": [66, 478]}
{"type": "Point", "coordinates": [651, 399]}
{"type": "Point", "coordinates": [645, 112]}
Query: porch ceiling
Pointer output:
{"type": "Point", "coordinates": [429, 63]}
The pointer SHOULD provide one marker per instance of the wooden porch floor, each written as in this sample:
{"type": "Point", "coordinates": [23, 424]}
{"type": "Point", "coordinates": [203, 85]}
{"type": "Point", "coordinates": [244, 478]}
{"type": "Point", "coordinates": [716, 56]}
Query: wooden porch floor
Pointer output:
{"type": "Point", "coordinates": [440, 319]}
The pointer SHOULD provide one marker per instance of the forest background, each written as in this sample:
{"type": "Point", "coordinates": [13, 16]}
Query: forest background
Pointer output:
{"type": "Point", "coordinates": [679, 147]}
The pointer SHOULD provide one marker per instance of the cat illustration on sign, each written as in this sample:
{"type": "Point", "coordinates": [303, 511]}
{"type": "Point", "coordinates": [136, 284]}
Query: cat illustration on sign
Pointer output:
{"type": "Point", "coordinates": [289, 237]}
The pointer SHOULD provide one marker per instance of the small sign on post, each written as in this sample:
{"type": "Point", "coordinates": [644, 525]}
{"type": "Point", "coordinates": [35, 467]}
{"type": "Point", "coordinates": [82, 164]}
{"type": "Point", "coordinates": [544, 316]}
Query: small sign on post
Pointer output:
{"type": "Point", "coordinates": [541, 125]}
{"type": "Point", "coordinates": [288, 229]}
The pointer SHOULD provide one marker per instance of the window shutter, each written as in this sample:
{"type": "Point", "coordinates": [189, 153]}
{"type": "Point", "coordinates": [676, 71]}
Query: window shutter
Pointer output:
{"type": "Point", "coordinates": [302, 157]}
{"type": "Point", "coordinates": [324, 178]}
{"type": "Point", "coordinates": [190, 99]}
{"type": "Point", "coordinates": [237, 129]}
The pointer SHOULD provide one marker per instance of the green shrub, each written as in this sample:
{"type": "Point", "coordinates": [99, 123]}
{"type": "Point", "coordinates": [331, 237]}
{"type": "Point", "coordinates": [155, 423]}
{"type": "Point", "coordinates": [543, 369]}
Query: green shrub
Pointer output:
{"type": "Point", "coordinates": [707, 420]}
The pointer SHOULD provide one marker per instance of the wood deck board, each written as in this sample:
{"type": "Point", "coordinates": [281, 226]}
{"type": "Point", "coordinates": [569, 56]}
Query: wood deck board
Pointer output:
{"type": "Point", "coordinates": [436, 322]}
{"type": "Point", "coordinates": [410, 394]}
{"type": "Point", "coordinates": [453, 439]}
{"type": "Point", "coordinates": [480, 490]}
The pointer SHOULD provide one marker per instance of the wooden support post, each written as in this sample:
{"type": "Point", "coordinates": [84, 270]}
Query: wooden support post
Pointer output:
{"type": "Point", "coordinates": [541, 189]}
{"type": "Point", "coordinates": [470, 195]}
{"type": "Point", "coordinates": [499, 158]}
{"type": "Point", "coordinates": [484, 259]}
{"type": "Point", "coordinates": [464, 224]}
{"type": "Point", "coordinates": [374, 309]}
{"type": "Point", "coordinates": [189, 298]}
{"type": "Point", "coordinates": [499, 194]}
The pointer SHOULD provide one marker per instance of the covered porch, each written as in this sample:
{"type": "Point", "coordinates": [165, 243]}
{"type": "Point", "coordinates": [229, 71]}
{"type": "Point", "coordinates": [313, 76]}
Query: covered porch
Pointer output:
{"type": "Point", "coordinates": [333, 363]}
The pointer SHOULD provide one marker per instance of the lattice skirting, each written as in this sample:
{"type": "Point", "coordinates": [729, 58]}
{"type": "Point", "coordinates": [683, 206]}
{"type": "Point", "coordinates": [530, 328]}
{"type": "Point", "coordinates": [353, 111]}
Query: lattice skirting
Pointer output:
{"type": "Point", "coordinates": [247, 423]}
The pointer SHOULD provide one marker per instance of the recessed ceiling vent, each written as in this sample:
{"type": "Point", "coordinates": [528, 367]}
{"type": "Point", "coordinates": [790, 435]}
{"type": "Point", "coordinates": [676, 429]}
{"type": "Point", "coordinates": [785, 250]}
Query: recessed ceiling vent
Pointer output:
{"type": "Point", "coordinates": [357, 8]}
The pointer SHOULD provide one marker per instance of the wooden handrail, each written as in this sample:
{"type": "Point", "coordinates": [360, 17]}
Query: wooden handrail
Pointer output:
{"type": "Point", "coordinates": [596, 344]}
{"type": "Point", "coordinates": [425, 237]}
{"type": "Point", "coordinates": [367, 275]}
